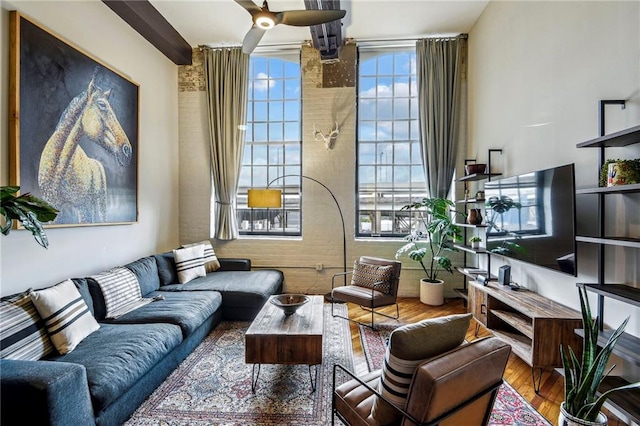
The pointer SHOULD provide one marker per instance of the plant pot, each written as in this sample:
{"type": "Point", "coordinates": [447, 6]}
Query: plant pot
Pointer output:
{"type": "Point", "coordinates": [432, 293]}
{"type": "Point", "coordinates": [475, 244]}
{"type": "Point", "coordinates": [566, 419]}
{"type": "Point", "coordinates": [472, 169]}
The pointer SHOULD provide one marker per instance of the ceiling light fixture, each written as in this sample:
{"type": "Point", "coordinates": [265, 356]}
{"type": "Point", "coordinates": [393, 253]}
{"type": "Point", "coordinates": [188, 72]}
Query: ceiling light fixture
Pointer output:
{"type": "Point", "coordinates": [265, 22]}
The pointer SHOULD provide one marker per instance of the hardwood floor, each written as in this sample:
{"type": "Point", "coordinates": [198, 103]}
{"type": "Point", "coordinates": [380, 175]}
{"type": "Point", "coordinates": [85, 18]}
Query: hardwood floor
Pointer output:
{"type": "Point", "coordinates": [518, 373]}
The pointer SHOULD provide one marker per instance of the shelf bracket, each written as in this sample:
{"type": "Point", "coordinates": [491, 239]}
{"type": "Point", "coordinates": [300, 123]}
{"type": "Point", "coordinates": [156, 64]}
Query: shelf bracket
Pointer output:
{"type": "Point", "coordinates": [601, 221]}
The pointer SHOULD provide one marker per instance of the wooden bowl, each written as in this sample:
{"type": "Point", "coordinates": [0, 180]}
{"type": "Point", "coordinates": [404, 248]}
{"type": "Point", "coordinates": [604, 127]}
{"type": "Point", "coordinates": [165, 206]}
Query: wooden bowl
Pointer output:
{"type": "Point", "coordinates": [289, 303]}
{"type": "Point", "coordinates": [472, 169]}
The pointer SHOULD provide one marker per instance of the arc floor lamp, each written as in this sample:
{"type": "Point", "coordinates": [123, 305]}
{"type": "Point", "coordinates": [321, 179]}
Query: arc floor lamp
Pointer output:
{"type": "Point", "coordinates": [272, 198]}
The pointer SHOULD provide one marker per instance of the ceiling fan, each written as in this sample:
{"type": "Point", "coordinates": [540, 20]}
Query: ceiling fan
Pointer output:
{"type": "Point", "coordinates": [264, 19]}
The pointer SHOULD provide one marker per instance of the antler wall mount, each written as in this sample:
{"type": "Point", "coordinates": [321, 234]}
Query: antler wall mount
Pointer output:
{"type": "Point", "coordinates": [328, 139]}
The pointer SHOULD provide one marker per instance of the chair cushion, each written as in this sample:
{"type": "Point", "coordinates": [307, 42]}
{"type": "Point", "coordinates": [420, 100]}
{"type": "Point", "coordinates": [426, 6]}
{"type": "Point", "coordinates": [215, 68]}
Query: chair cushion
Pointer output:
{"type": "Point", "coordinates": [211, 263]}
{"type": "Point", "coordinates": [65, 315]}
{"type": "Point", "coordinates": [189, 263]}
{"type": "Point", "coordinates": [366, 275]}
{"type": "Point", "coordinates": [410, 346]}
{"type": "Point", "coordinates": [354, 401]}
{"type": "Point", "coordinates": [23, 335]}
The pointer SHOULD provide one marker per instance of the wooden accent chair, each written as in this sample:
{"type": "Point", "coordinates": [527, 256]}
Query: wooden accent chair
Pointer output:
{"type": "Point", "coordinates": [374, 284]}
{"type": "Point", "coordinates": [458, 387]}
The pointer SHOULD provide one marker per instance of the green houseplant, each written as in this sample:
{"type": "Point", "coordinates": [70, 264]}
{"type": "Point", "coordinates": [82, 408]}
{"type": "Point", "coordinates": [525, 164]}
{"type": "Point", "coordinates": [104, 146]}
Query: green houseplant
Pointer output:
{"type": "Point", "coordinates": [27, 209]}
{"type": "Point", "coordinates": [583, 377]}
{"type": "Point", "coordinates": [430, 244]}
{"type": "Point", "coordinates": [475, 241]}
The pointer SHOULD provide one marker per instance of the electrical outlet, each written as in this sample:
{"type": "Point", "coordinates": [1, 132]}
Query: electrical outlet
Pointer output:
{"type": "Point", "coordinates": [318, 266]}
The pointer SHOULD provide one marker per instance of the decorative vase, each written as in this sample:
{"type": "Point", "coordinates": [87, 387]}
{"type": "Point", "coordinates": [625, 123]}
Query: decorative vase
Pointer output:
{"type": "Point", "coordinates": [566, 419]}
{"type": "Point", "coordinates": [474, 217]}
{"type": "Point", "coordinates": [432, 293]}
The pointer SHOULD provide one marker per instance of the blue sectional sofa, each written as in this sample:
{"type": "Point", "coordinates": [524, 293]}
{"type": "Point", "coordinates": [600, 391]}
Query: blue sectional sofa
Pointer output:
{"type": "Point", "coordinates": [113, 370]}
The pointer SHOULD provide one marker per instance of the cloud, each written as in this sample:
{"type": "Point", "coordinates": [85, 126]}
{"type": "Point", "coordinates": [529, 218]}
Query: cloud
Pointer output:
{"type": "Point", "coordinates": [262, 82]}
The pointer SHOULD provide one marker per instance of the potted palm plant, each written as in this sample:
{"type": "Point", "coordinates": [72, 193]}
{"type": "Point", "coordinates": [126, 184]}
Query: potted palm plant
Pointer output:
{"type": "Point", "coordinates": [430, 243]}
{"type": "Point", "coordinates": [27, 209]}
{"type": "Point", "coordinates": [582, 378]}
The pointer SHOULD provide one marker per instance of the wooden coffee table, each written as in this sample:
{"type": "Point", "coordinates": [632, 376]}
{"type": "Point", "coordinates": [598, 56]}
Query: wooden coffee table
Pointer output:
{"type": "Point", "coordinates": [274, 338]}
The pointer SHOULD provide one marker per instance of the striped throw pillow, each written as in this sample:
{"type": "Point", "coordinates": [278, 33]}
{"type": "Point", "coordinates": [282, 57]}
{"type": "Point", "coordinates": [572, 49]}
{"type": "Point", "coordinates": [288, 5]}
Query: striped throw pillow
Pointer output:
{"type": "Point", "coordinates": [211, 262]}
{"type": "Point", "coordinates": [65, 315]}
{"type": "Point", "coordinates": [121, 291]}
{"type": "Point", "coordinates": [366, 275]}
{"type": "Point", "coordinates": [23, 335]}
{"type": "Point", "coordinates": [189, 263]}
{"type": "Point", "coordinates": [410, 346]}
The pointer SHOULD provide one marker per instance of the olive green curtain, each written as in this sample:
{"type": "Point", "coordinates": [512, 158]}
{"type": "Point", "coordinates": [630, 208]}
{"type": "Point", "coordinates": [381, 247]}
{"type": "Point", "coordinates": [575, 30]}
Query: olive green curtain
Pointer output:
{"type": "Point", "coordinates": [440, 69]}
{"type": "Point", "coordinates": [227, 77]}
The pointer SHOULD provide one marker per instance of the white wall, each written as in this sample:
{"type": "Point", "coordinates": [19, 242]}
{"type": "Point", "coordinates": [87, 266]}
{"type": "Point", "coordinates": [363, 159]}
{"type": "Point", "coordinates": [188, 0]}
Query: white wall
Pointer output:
{"type": "Point", "coordinates": [80, 251]}
{"type": "Point", "coordinates": [537, 71]}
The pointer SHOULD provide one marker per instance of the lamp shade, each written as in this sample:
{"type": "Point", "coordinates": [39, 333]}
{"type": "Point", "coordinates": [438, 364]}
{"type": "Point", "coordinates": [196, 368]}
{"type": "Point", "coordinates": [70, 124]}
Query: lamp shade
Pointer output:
{"type": "Point", "coordinates": [264, 198]}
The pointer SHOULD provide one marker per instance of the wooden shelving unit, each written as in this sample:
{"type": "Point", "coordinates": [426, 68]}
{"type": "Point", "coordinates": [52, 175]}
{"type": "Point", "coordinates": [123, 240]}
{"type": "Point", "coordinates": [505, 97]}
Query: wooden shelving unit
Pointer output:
{"type": "Point", "coordinates": [533, 325]}
{"type": "Point", "coordinates": [628, 346]}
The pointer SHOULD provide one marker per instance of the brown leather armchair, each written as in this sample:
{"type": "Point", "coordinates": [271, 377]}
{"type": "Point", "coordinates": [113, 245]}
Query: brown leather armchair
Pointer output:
{"type": "Point", "coordinates": [456, 388]}
{"type": "Point", "coordinates": [370, 293]}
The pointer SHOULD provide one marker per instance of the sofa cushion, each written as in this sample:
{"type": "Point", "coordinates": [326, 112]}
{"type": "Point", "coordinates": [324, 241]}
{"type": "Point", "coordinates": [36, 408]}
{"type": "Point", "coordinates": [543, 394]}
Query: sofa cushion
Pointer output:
{"type": "Point", "coordinates": [117, 356]}
{"type": "Point", "coordinates": [211, 262]}
{"type": "Point", "coordinates": [65, 315]}
{"type": "Point", "coordinates": [185, 309]}
{"type": "Point", "coordinates": [166, 268]}
{"type": "Point", "coordinates": [189, 263]}
{"type": "Point", "coordinates": [240, 289]}
{"type": "Point", "coordinates": [23, 335]}
{"type": "Point", "coordinates": [146, 270]}
{"type": "Point", "coordinates": [83, 288]}
{"type": "Point", "coordinates": [409, 346]}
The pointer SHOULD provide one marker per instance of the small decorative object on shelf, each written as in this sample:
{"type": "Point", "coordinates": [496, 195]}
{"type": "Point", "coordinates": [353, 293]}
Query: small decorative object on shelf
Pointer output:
{"type": "Point", "coordinates": [472, 169]}
{"type": "Point", "coordinates": [475, 242]}
{"type": "Point", "coordinates": [620, 172]}
{"type": "Point", "coordinates": [480, 196]}
{"type": "Point", "coordinates": [474, 217]}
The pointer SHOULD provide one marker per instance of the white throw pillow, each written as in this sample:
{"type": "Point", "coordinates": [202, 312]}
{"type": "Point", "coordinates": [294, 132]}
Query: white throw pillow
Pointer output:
{"type": "Point", "coordinates": [211, 262]}
{"type": "Point", "coordinates": [189, 263]}
{"type": "Point", "coordinates": [65, 315]}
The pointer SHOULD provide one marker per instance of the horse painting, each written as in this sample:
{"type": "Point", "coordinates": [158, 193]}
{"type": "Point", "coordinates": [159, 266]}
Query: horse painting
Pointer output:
{"type": "Point", "coordinates": [68, 178]}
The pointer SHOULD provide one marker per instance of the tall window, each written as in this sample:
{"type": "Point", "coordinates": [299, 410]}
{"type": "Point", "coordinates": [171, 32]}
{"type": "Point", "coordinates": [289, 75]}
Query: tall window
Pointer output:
{"type": "Point", "coordinates": [273, 144]}
{"type": "Point", "coordinates": [390, 173]}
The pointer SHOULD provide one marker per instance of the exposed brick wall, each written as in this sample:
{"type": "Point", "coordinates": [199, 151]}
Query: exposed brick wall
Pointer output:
{"type": "Point", "coordinates": [329, 95]}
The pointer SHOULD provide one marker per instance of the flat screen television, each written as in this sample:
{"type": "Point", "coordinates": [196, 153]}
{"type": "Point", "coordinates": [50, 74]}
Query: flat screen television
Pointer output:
{"type": "Point", "coordinates": [531, 218]}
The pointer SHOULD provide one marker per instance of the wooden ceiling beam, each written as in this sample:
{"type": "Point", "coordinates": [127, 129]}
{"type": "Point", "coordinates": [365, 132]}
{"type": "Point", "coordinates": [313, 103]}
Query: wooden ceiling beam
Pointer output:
{"type": "Point", "coordinates": [327, 38]}
{"type": "Point", "coordinates": [146, 20]}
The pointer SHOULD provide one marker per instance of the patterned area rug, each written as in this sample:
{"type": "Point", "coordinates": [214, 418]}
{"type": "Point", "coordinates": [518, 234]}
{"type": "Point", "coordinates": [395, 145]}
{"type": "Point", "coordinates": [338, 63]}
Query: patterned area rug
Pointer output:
{"type": "Point", "coordinates": [213, 385]}
{"type": "Point", "coordinates": [510, 407]}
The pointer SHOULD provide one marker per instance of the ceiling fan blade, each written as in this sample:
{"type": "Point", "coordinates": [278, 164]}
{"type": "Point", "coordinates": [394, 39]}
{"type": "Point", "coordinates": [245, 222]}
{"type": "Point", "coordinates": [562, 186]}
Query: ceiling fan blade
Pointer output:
{"type": "Point", "coordinates": [304, 18]}
{"type": "Point", "coordinates": [250, 6]}
{"type": "Point", "coordinates": [251, 39]}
